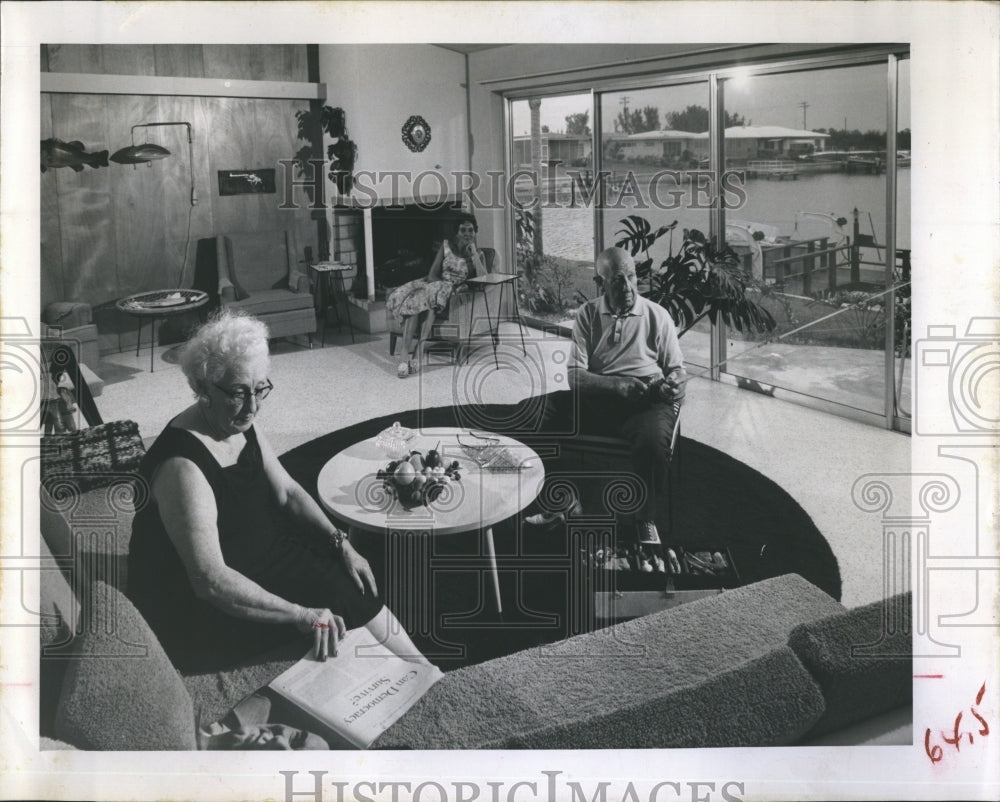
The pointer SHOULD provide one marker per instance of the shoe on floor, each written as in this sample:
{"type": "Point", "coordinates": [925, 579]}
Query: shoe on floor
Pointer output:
{"type": "Point", "coordinates": [646, 531]}
{"type": "Point", "coordinates": [550, 519]}
{"type": "Point", "coordinates": [545, 519]}
{"type": "Point", "coordinates": [403, 370]}
{"type": "Point", "coordinates": [413, 366]}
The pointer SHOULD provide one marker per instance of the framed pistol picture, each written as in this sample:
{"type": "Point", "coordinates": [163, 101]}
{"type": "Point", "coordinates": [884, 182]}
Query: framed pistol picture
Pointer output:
{"type": "Point", "coordinates": [247, 182]}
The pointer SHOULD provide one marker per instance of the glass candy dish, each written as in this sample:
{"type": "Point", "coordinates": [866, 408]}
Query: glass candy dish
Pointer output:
{"type": "Point", "coordinates": [393, 442]}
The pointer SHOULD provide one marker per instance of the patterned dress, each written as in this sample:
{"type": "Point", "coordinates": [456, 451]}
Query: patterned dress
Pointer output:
{"type": "Point", "coordinates": [421, 295]}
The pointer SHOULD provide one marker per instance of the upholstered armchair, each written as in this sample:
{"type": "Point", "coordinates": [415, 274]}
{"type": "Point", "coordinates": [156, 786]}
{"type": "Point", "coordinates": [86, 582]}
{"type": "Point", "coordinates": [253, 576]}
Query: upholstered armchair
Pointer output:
{"type": "Point", "coordinates": [454, 325]}
{"type": "Point", "coordinates": [259, 273]}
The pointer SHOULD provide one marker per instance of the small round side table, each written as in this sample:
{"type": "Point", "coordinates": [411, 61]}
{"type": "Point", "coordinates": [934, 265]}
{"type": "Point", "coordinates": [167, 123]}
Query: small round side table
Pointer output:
{"type": "Point", "coordinates": [159, 305]}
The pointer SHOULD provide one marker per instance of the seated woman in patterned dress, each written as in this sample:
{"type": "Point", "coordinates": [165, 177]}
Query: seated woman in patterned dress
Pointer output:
{"type": "Point", "coordinates": [425, 298]}
{"type": "Point", "coordinates": [231, 556]}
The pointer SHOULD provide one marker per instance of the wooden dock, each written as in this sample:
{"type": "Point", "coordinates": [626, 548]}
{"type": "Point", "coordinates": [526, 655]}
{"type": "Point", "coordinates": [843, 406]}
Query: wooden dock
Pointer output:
{"type": "Point", "coordinates": [772, 168]}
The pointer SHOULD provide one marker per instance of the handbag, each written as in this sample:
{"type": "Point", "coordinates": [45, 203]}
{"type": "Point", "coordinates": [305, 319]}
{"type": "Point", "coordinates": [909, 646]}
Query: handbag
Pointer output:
{"type": "Point", "coordinates": [93, 457]}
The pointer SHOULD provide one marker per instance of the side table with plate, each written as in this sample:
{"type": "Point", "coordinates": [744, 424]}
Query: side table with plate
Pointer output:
{"type": "Point", "coordinates": [159, 305]}
{"type": "Point", "coordinates": [351, 489]}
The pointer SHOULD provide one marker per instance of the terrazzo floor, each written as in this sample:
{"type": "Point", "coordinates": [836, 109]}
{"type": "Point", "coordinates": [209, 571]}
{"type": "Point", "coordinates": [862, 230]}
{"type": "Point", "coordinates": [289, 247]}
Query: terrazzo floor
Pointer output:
{"type": "Point", "coordinates": [815, 456]}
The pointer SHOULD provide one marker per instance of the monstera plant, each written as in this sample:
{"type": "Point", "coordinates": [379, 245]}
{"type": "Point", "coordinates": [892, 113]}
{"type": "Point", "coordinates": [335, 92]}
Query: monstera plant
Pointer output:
{"type": "Point", "coordinates": [699, 280]}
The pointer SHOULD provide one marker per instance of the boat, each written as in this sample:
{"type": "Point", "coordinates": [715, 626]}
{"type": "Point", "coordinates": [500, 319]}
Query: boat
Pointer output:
{"type": "Point", "coordinates": [865, 162]}
{"type": "Point", "coordinates": [823, 161]}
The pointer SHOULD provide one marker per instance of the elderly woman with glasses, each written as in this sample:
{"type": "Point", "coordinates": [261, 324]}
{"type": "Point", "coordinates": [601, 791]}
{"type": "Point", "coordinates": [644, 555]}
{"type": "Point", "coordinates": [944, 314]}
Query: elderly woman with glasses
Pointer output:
{"type": "Point", "coordinates": [230, 555]}
{"type": "Point", "coordinates": [425, 298]}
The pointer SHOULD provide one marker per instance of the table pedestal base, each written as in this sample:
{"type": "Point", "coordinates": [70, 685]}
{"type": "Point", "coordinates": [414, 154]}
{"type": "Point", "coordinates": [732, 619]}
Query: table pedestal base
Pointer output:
{"type": "Point", "coordinates": [411, 574]}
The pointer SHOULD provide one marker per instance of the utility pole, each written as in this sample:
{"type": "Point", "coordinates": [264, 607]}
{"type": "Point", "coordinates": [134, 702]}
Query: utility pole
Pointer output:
{"type": "Point", "coordinates": [624, 104]}
{"type": "Point", "coordinates": [804, 106]}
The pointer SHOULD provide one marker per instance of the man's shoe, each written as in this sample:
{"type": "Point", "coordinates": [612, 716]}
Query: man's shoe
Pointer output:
{"type": "Point", "coordinates": [646, 532]}
{"type": "Point", "coordinates": [548, 520]}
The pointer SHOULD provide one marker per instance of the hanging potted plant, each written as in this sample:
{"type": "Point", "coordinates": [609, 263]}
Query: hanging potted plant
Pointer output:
{"type": "Point", "coordinates": [341, 153]}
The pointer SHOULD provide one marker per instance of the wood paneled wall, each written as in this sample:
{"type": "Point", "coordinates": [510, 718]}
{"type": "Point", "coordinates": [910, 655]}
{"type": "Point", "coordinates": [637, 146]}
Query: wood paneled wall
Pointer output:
{"type": "Point", "coordinates": [113, 231]}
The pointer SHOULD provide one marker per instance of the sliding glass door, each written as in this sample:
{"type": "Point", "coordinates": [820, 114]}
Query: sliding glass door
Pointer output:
{"type": "Point", "coordinates": [552, 167]}
{"type": "Point", "coordinates": [801, 168]}
{"type": "Point", "coordinates": [812, 231]}
{"type": "Point", "coordinates": [653, 144]}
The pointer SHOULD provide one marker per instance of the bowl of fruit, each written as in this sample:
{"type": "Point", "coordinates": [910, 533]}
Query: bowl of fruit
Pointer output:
{"type": "Point", "coordinates": [419, 479]}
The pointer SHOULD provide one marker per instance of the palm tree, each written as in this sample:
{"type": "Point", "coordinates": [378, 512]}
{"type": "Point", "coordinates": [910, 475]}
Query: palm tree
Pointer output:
{"type": "Point", "coordinates": [699, 280]}
{"type": "Point", "coordinates": [535, 104]}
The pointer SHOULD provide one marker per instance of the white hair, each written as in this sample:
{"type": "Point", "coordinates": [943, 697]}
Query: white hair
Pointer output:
{"type": "Point", "coordinates": [227, 342]}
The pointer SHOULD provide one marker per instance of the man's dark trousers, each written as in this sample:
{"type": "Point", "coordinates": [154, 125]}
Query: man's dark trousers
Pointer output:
{"type": "Point", "coordinates": [646, 426]}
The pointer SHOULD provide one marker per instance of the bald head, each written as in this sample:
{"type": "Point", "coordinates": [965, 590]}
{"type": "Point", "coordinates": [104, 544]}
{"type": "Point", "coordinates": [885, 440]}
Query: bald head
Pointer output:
{"type": "Point", "coordinates": [617, 270]}
{"type": "Point", "coordinates": [611, 260]}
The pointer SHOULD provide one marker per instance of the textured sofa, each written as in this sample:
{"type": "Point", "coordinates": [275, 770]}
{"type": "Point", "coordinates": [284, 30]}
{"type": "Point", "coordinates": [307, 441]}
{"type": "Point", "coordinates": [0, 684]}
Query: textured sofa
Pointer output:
{"type": "Point", "coordinates": [765, 664]}
{"type": "Point", "coordinates": [259, 273]}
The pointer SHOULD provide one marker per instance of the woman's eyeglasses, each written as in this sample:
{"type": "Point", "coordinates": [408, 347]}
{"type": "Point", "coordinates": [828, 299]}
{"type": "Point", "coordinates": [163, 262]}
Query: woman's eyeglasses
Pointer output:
{"type": "Point", "coordinates": [241, 395]}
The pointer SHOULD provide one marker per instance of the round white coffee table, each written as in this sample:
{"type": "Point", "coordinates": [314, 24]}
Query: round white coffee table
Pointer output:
{"type": "Point", "coordinates": [349, 489]}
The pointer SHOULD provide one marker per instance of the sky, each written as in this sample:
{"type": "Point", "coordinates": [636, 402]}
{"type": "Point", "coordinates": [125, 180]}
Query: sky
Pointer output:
{"type": "Point", "coordinates": [855, 95]}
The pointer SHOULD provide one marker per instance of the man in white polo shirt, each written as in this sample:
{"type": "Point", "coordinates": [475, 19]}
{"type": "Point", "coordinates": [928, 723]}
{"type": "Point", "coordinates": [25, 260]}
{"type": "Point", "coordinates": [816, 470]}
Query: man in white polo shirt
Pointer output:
{"type": "Point", "coordinates": [627, 370]}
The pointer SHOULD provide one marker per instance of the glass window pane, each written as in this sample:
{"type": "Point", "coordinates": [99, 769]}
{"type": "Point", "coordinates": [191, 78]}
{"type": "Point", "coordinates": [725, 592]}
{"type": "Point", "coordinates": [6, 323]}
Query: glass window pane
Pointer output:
{"type": "Point", "coordinates": [903, 375]}
{"type": "Point", "coordinates": [552, 156]}
{"type": "Point", "coordinates": [811, 230]}
{"type": "Point", "coordinates": [652, 142]}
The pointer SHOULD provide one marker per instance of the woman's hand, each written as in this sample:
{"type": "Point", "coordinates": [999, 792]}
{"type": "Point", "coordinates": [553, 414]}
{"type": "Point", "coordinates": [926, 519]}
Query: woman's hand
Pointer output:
{"type": "Point", "coordinates": [358, 568]}
{"type": "Point", "coordinates": [328, 629]}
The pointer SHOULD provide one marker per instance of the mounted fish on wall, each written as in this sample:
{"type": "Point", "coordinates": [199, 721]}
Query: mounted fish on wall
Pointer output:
{"type": "Point", "coordinates": [56, 153]}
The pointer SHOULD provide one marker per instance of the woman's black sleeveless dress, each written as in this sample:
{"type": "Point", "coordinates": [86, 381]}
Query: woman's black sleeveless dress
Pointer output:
{"type": "Point", "coordinates": [256, 539]}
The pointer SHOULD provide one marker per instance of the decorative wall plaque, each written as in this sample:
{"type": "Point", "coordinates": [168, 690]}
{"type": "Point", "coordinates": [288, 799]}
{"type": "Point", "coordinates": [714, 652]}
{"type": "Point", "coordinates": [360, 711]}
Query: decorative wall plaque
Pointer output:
{"type": "Point", "coordinates": [416, 133]}
{"type": "Point", "coordinates": [247, 182]}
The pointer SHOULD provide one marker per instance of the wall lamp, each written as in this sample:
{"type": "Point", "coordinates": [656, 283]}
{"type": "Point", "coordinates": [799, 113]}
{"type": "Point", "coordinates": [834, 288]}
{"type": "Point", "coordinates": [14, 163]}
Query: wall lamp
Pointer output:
{"type": "Point", "coordinates": [148, 152]}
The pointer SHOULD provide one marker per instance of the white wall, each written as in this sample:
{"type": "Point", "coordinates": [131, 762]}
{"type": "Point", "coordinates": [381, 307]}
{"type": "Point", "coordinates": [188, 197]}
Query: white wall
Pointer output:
{"type": "Point", "coordinates": [380, 87]}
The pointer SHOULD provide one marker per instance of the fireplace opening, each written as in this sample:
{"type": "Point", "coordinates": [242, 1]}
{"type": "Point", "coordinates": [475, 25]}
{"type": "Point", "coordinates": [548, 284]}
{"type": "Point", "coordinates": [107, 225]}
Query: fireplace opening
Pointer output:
{"type": "Point", "coordinates": [405, 241]}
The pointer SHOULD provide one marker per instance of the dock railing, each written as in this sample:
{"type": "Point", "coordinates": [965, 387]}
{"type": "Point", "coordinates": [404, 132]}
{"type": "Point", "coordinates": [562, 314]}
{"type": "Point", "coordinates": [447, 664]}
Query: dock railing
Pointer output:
{"type": "Point", "coordinates": [813, 263]}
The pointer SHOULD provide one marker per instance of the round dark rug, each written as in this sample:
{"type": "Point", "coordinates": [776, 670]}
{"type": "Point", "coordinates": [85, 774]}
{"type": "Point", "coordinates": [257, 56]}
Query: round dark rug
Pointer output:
{"type": "Point", "coordinates": [718, 503]}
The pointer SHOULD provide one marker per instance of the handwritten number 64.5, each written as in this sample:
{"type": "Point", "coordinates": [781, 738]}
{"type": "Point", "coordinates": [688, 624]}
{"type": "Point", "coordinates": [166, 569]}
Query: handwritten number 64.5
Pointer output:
{"type": "Point", "coordinates": [954, 738]}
